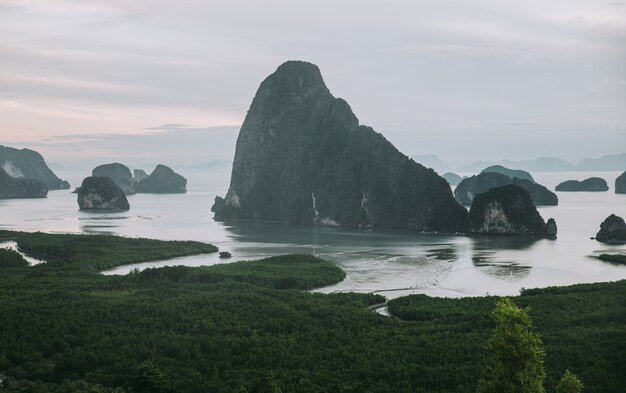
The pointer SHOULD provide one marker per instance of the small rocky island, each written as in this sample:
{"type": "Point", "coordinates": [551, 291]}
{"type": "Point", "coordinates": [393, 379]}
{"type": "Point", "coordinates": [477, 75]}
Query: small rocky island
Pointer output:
{"type": "Point", "coordinates": [101, 193]}
{"type": "Point", "coordinates": [11, 187]}
{"type": "Point", "coordinates": [612, 230]}
{"type": "Point", "coordinates": [139, 175]}
{"type": "Point", "coordinates": [452, 178]}
{"type": "Point", "coordinates": [119, 173]}
{"type": "Point", "coordinates": [620, 184]}
{"type": "Point", "coordinates": [28, 164]}
{"type": "Point", "coordinates": [303, 158]}
{"type": "Point", "coordinates": [592, 184]}
{"type": "Point", "coordinates": [477, 184]}
{"type": "Point", "coordinates": [163, 180]}
{"type": "Point", "coordinates": [507, 210]}
{"type": "Point", "coordinates": [512, 173]}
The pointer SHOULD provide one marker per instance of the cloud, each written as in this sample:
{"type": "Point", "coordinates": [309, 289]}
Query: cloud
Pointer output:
{"type": "Point", "coordinates": [104, 67]}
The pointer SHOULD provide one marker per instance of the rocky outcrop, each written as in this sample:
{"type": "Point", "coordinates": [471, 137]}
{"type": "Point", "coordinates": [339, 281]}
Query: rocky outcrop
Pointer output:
{"type": "Point", "coordinates": [472, 186]}
{"type": "Point", "coordinates": [452, 178]}
{"type": "Point", "coordinates": [20, 188]}
{"type": "Point", "coordinates": [517, 173]}
{"type": "Point", "coordinates": [119, 173]}
{"type": "Point", "coordinates": [28, 164]}
{"type": "Point", "coordinates": [620, 184]}
{"type": "Point", "coordinates": [163, 180]}
{"type": "Point", "coordinates": [101, 193]}
{"type": "Point", "coordinates": [612, 230]}
{"type": "Point", "coordinates": [593, 184]}
{"type": "Point", "coordinates": [507, 210]}
{"type": "Point", "coordinates": [303, 158]}
{"type": "Point", "coordinates": [139, 175]}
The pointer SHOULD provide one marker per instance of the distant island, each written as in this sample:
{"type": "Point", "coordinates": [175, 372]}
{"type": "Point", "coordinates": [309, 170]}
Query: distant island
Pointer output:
{"type": "Point", "coordinates": [592, 184]}
{"type": "Point", "coordinates": [472, 186]}
{"type": "Point", "coordinates": [28, 164]}
{"type": "Point", "coordinates": [614, 162]}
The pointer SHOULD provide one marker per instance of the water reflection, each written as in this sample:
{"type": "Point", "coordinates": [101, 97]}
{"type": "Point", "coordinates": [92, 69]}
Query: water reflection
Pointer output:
{"type": "Point", "coordinates": [504, 242]}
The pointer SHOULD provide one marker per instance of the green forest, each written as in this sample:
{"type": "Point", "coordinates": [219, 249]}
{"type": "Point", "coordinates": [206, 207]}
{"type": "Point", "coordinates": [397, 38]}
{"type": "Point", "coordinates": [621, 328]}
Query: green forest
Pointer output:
{"type": "Point", "coordinates": [253, 326]}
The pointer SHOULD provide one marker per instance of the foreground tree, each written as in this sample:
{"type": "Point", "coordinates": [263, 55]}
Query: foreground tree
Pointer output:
{"type": "Point", "coordinates": [517, 353]}
{"type": "Point", "coordinates": [569, 383]}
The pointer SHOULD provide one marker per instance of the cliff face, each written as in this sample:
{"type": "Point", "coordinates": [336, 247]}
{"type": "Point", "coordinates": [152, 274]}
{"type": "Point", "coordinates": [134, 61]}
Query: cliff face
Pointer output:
{"type": "Point", "coordinates": [119, 173]}
{"type": "Point", "coordinates": [472, 186]}
{"type": "Point", "coordinates": [21, 188]}
{"type": "Point", "coordinates": [303, 158]}
{"type": "Point", "coordinates": [507, 210]}
{"type": "Point", "coordinates": [28, 164]}
{"type": "Point", "coordinates": [620, 184]}
{"type": "Point", "coordinates": [101, 193]}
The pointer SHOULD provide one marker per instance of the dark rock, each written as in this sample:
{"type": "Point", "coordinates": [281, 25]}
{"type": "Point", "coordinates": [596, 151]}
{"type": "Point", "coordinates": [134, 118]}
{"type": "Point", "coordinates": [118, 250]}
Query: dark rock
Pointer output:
{"type": "Point", "coordinates": [612, 230]}
{"type": "Point", "coordinates": [472, 186]}
{"type": "Point", "coordinates": [620, 184]}
{"type": "Point", "coordinates": [101, 193]}
{"type": "Point", "coordinates": [119, 173]}
{"type": "Point", "coordinates": [139, 175]}
{"type": "Point", "coordinates": [303, 158]}
{"type": "Point", "coordinates": [162, 180]}
{"type": "Point", "coordinates": [593, 184]}
{"type": "Point", "coordinates": [28, 164]}
{"type": "Point", "coordinates": [507, 210]}
{"type": "Point", "coordinates": [218, 204]}
{"type": "Point", "coordinates": [20, 188]}
{"type": "Point", "coordinates": [452, 178]}
{"type": "Point", "coordinates": [518, 173]}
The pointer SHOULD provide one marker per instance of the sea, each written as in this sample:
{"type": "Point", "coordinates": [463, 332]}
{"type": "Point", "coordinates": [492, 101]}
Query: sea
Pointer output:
{"type": "Point", "coordinates": [391, 263]}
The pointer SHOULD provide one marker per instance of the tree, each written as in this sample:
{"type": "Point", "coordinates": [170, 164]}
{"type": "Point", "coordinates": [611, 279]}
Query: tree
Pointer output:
{"type": "Point", "coordinates": [517, 353]}
{"type": "Point", "coordinates": [569, 383]}
{"type": "Point", "coordinates": [150, 379]}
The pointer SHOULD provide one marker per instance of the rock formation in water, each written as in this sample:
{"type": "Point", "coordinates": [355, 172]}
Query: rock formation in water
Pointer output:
{"type": "Point", "coordinates": [517, 173]}
{"type": "Point", "coordinates": [620, 184]}
{"type": "Point", "coordinates": [452, 178]}
{"type": "Point", "coordinates": [20, 188]}
{"type": "Point", "coordinates": [303, 158]}
{"type": "Point", "coordinates": [28, 164]}
{"type": "Point", "coordinates": [163, 180]}
{"type": "Point", "coordinates": [507, 210]}
{"type": "Point", "coordinates": [139, 175]}
{"type": "Point", "coordinates": [593, 184]}
{"type": "Point", "coordinates": [101, 193]}
{"type": "Point", "coordinates": [472, 186]}
{"type": "Point", "coordinates": [119, 173]}
{"type": "Point", "coordinates": [612, 230]}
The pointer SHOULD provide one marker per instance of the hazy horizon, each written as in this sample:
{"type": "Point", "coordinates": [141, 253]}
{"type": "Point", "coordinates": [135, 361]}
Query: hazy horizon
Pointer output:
{"type": "Point", "coordinates": [145, 81]}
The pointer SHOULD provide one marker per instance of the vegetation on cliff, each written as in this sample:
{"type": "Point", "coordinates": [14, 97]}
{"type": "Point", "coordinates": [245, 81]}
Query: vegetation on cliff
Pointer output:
{"type": "Point", "coordinates": [303, 158]}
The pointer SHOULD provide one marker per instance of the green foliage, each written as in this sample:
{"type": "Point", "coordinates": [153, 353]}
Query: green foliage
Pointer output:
{"type": "Point", "coordinates": [569, 383]}
{"type": "Point", "coordinates": [517, 355]}
{"type": "Point", "coordinates": [228, 328]}
{"type": "Point", "coordinates": [65, 387]}
{"type": "Point", "coordinates": [614, 258]}
{"type": "Point", "coordinates": [150, 379]}
{"type": "Point", "coordinates": [99, 252]}
{"type": "Point", "coordinates": [11, 259]}
{"type": "Point", "coordinates": [280, 272]}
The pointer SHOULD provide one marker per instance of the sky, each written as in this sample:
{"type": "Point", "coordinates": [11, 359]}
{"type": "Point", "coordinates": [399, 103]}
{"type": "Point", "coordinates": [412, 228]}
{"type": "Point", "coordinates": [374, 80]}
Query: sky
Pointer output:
{"type": "Point", "coordinates": [141, 81]}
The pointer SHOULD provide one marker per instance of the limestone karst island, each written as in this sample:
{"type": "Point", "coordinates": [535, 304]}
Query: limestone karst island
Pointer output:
{"type": "Point", "coordinates": [310, 197]}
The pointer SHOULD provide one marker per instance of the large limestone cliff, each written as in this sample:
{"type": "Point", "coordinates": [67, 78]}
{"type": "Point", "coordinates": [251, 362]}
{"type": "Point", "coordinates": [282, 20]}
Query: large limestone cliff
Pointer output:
{"type": "Point", "coordinates": [303, 158]}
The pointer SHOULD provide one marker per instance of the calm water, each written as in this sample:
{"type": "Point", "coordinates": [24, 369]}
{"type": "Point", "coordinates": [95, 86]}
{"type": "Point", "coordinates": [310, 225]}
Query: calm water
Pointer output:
{"type": "Point", "coordinates": [393, 263]}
